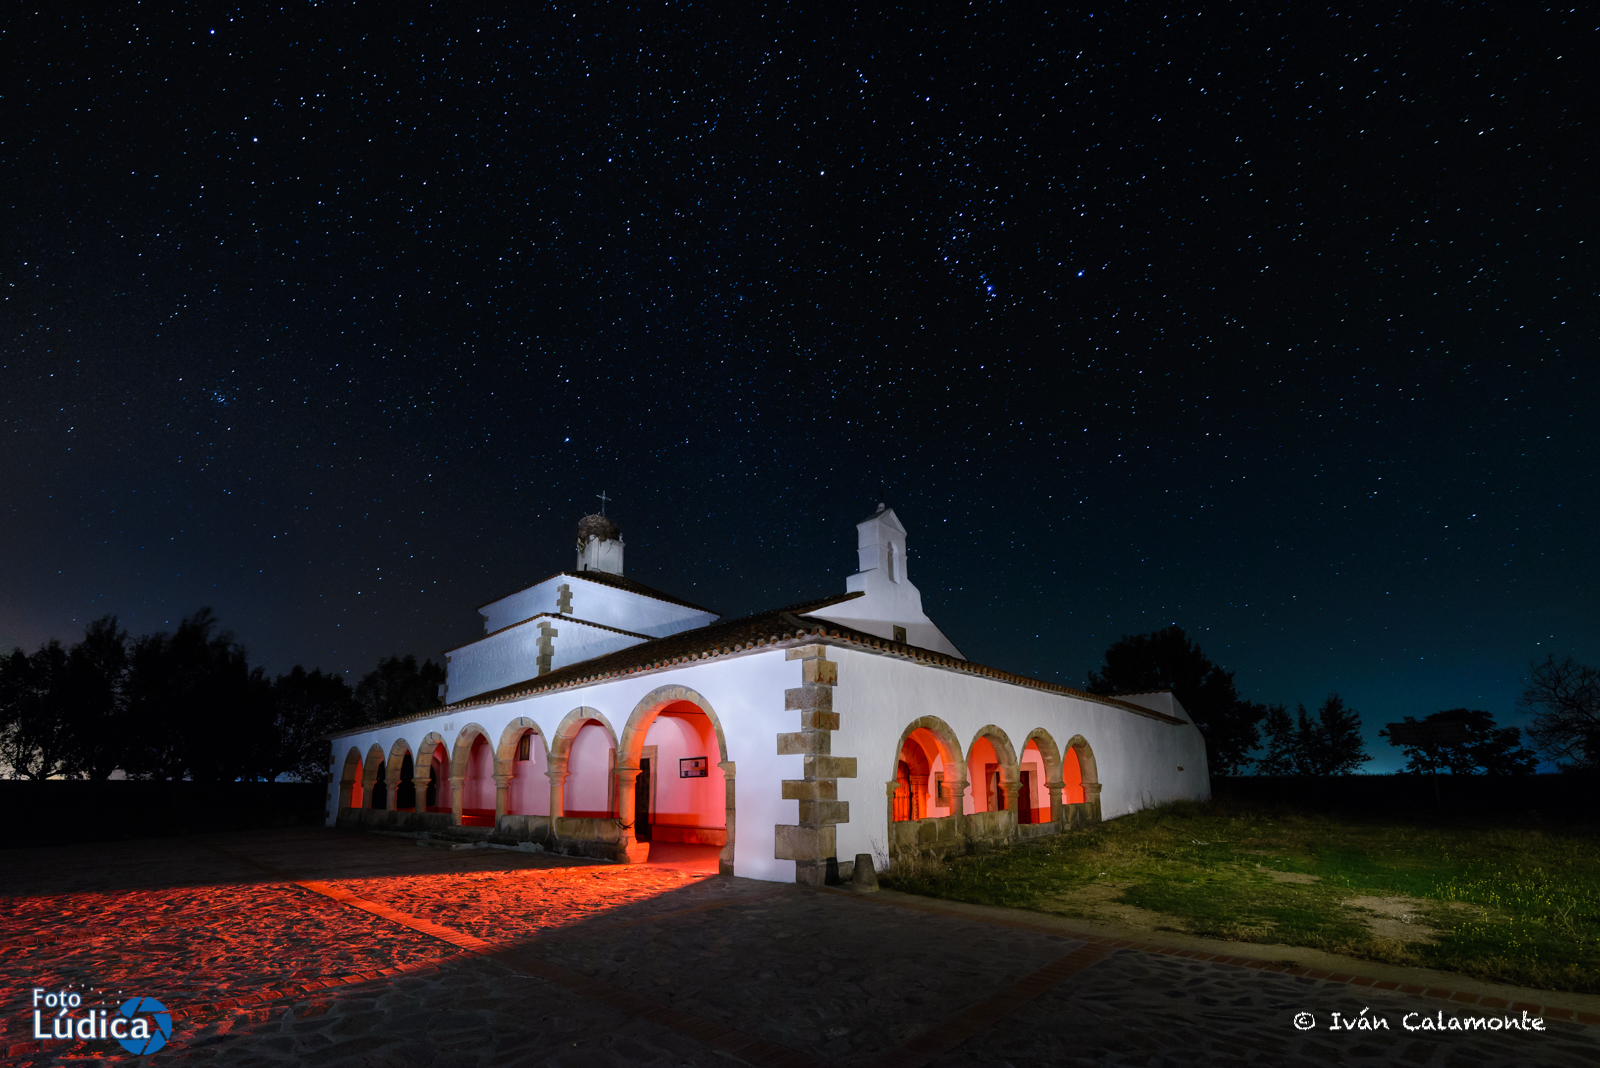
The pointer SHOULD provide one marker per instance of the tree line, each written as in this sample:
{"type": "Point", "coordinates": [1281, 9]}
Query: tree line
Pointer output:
{"type": "Point", "coordinates": [186, 704]}
{"type": "Point", "coordinates": [1563, 698]}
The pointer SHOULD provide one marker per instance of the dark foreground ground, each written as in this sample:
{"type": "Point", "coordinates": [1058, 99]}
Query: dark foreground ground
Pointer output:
{"type": "Point", "coordinates": [318, 947]}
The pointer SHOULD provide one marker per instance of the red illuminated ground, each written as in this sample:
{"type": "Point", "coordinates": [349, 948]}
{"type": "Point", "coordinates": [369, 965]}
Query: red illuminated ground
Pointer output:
{"type": "Point", "coordinates": [351, 950]}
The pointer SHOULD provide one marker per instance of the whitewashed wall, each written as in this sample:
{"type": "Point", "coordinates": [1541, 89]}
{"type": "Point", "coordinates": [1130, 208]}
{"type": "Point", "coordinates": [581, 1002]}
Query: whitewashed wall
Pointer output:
{"type": "Point", "coordinates": [879, 696]}
{"type": "Point", "coordinates": [745, 691]}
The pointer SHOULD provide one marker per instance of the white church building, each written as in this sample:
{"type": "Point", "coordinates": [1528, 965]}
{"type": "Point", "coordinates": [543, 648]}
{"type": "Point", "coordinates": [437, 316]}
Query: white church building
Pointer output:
{"type": "Point", "coordinates": [598, 716]}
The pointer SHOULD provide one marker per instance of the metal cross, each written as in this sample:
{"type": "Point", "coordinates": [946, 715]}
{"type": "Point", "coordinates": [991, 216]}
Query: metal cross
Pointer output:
{"type": "Point", "coordinates": [603, 500]}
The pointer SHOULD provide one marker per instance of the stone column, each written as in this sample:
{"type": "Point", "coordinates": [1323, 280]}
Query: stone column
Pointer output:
{"type": "Point", "coordinates": [629, 850]}
{"type": "Point", "coordinates": [458, 784]}
{"type": "Point", "coordinates": [557, 774]}
{"type": "Point", "coordinates": [419, 785]}
{"type": "Point", "coordinates": [811, 843]}
{"type": "Point", "coordinates": [502, 795]}
{"type": "Point", "coordinates": [1013, 789]}
{"type": "Point", "coordinates": [725, 858]}
{"type": "Point", "coordinates": [1091, 796]}
{"type": "Point", "coordinates": [1057, 806]}
{"type": "Point", "coordinates": [391, 782]}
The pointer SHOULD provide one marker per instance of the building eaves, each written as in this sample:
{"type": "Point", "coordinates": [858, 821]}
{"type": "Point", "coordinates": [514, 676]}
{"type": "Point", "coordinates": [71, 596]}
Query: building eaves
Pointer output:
{"type": "Point", "coordinates": [547, 615]}
{"type": "Point", "coordinates": [781, 628]}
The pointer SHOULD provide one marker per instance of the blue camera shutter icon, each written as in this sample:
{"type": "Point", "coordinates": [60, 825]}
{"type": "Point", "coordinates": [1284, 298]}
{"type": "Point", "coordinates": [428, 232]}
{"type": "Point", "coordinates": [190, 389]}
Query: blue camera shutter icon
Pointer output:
{"type": "Point", "coordinates": [160, 1025]}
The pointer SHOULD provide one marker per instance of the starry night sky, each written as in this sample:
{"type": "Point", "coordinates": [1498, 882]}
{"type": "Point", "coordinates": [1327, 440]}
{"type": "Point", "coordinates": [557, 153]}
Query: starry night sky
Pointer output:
{"type": "Point", "coordinates": [1277, 326]}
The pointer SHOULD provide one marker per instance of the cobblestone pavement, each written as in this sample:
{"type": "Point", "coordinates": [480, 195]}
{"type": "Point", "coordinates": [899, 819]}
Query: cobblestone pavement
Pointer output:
{"type": "Point", "coordinates": [334, 948]}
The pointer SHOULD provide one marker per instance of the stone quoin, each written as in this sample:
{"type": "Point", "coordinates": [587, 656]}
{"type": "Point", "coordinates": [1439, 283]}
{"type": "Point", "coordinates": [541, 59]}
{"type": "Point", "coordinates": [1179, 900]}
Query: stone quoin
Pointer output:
{"type": "Point", "coordinates": [598, 716]}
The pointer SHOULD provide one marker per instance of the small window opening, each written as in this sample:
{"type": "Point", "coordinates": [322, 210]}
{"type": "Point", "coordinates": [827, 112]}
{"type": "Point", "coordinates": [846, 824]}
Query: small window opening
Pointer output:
{"type": "Point", "coordinates": [525, 747]}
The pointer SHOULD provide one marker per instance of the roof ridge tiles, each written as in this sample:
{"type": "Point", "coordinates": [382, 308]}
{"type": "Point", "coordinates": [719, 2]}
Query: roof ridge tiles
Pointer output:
{"type": "Point", "coordinates": [752, 633]}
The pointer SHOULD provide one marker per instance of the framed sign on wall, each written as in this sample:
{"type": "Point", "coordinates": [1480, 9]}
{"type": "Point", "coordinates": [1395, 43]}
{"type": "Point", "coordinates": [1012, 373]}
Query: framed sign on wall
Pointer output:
{"type": "Point", "coordinates": [692, 768]}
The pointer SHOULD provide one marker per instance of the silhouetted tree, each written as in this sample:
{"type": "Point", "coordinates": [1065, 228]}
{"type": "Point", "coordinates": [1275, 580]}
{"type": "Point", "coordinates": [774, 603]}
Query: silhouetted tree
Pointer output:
{"type": "Point", "coordinates": [203, 712]}
{"type": "Point", "coordinates": [1564, 697]}
{"type": "Point", "coordinates": [1486, 750]}
{"type": "Point", "coordinates": [399, 687]}
{"type": "Point", "coordinates": [96, 702]}
{"type": "Point", "coordinates": [1327, 744]}
{"type": "Point", "coordinates": [306, 706]}
{"type": "Point", "coordinates": [35, 742]}
{"type": "Point", "coordinates": [1282, 744]}
{"type": "Point", "coordinates": [1167, 660]}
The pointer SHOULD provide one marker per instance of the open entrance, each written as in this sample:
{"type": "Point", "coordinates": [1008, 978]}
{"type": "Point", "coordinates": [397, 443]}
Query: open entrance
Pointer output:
{"type": "Point", "coordinates": [590, 760]}
{"type": "Point", "coordinates": [922, 778]}
{"type": "Point", "coordinates": [437, 797]}
{"type": "Point", "coordinates": [675, 784]}
{"type": "Point", "coordinates": [985, 773]}
{"type": "Point", "coordinates": [680, 797]}
{"type": "Point", "coordinates": [1072, 776]}
{"type": "Point", "coordinates": [477, 789]}
{"type": "Point", "coordinates": [1033, 801]}
{"type": "Point", "coordinates": [528, 791]}
{"type": "Point", "coordinates": [405, 791]}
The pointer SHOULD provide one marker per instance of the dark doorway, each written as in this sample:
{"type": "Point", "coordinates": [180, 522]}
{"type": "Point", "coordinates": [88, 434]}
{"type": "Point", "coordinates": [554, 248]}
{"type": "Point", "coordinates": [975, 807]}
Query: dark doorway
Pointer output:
{"type": "Point", "coordinates": [1025, 802]}
{"type": "Point", "coordinates": [405, 794]}
{"type": "Point", "coordinates": [641, 802]}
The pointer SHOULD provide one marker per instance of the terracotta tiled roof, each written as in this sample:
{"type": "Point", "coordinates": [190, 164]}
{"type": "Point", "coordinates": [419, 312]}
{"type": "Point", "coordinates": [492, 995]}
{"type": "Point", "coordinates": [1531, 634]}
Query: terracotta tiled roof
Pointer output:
{"type": "Point", "coordinates": [784, 626]}
{"type": "Point", "coordinates": [606, 578]}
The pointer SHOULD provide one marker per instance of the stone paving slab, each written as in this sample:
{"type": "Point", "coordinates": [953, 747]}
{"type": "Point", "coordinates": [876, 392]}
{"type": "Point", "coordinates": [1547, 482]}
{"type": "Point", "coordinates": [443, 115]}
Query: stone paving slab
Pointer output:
{"type": "Point", "coordinates": [536, 960]}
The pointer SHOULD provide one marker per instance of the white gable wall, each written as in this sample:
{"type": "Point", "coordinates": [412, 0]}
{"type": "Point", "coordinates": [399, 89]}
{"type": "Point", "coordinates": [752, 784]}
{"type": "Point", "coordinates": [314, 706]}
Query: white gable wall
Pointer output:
{"type": "Point", "coordinates": [597, 603]}
{"type": "Point", "coordinates": [512, 655]}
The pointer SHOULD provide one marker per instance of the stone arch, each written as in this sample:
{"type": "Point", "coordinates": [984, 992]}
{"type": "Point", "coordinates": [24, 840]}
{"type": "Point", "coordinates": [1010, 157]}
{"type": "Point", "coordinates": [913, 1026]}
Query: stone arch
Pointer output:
{"type": "Point", "coordinates": [1006, 759]}
{"type": "Point", "coordinates": [374, 778]}
{"type": "Point", "coordinates": [912, 837]}
{"type": "Point", "coordinates": [401, 791]}
{"type": "Point", "coordinates": [462, 750]}
{"type": "Point", "coordinates": [630, 747]}
{"type": "Point", "coordinates": [1047, 749]}
{"type": "Point", "coordinates": [472, 800]}
{"type": "Point", "coordinates": [1088, 772]}
{"type": "Point", "coordinates": [561, 742]}
{"type": "Point", "coordinates": [522, 778]}
{"type": "Point", "coordinates": [1001, 742]}
{"type": "Point", "coordinates": [1047, 790]}
{"type": "Point", "coordinates": [350, 781]}
{"type": "Point", "coordinates": [660, 700]}
{"type": "Point", "coordinates": [513, 734]}
{"type": "Point", "coordinates": [949, 748]}
{"type": "Point", "coordinates": [439, 783]}
{"type": "Point", "coordinates": [561, 739]}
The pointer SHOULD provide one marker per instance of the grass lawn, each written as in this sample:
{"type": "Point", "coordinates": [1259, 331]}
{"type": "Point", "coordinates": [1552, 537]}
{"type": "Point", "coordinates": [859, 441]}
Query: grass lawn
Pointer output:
{"type": "Point", "coordinates": [1514, 903]}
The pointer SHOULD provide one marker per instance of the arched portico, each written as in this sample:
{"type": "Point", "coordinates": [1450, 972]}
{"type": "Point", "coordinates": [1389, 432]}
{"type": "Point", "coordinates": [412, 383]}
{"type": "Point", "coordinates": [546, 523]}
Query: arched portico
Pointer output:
{"type": "Point", "coordinates": [674, 735]}
{"type": "Point", "coordinates": [582, 806]}
{"type": "Point", "coordinates": [472, 777]}
{"type": "Point", "coordinates": [1080, 777]}
{"type": "Point", "coordinates": [398, 770]}
{"type": "Point", "coordinates": [1038, 775]}
{"type": "Point", "coordinates": [924, 796]}
{"type": "Point", "coordinates": [374, 777]}
{"type": "Point", "coordinates": [351, 788]}
{"type": "Point", "coordinates": [521, 762]}
{"type": "Point", "coordinates": [992, 771]}
{"type": "Point", "coordinates": [432, 774]}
